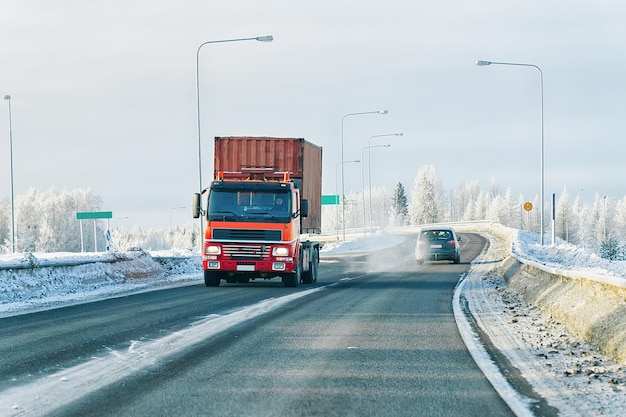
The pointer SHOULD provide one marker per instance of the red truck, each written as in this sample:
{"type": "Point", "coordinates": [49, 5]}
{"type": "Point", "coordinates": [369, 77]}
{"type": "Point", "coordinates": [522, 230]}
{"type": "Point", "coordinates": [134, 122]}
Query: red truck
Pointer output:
{"type": "Point", "coordinates": [263, 202]}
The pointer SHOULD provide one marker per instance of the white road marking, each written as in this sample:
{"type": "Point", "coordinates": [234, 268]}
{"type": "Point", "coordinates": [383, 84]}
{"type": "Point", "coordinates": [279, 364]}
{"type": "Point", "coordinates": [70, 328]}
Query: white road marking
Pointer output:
{"type": "Point", "coordinates": [46, 394]}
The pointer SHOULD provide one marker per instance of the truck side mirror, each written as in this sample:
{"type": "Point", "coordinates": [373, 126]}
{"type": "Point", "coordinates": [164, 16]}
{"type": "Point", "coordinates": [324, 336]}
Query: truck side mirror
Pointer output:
{"type": "Point", "coordinates": [304, 208]}
{"type": "Point", "coordinates": [196, 205]}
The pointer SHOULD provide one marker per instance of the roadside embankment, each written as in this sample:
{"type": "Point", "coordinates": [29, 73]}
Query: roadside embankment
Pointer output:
{"type": "Point", "coordinates": [30, 280]}
{"type": "Point", "coordinates": [590, 303]}
{"type": "Point", "coordinates": [592, 310]}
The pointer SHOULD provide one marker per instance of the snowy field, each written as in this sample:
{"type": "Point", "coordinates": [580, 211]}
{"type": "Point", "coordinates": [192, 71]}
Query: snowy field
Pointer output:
{"type": "Point", "coordinates": [569, 373]}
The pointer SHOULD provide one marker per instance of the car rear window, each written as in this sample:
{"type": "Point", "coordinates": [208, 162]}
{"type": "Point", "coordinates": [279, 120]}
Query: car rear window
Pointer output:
{"type": "Point", "coordinates": [436, 235]}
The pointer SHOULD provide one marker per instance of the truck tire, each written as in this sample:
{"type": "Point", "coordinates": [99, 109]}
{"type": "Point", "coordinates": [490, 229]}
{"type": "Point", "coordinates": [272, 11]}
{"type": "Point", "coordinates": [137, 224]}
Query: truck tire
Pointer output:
{"type": "Point", "coordinates": [293, 279]}
{"type": "Point", "coordinates": [211, 278]}
{"type": "Point", "coordinates": [310, 276]}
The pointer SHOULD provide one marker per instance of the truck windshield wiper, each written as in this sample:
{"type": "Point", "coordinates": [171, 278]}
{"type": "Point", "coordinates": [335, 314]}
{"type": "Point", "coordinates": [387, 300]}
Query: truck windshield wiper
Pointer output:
{"type": "Point", "coordinates": [225, 214]}
{"type": "Point", "coordinates": [259, 214]}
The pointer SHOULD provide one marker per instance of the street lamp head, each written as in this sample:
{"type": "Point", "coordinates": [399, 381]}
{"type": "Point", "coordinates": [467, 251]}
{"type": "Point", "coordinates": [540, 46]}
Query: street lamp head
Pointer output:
{"type": "Point", "coordinates": [382, 112]}
{"type": "Point", "coordinates": [7, 97]}
{"type": "Point", "coordinates": [399, 134]}
{"type": "Point", "coordinates": [483, 63]}
{"type": "Point", "coordinates": [268, 38]}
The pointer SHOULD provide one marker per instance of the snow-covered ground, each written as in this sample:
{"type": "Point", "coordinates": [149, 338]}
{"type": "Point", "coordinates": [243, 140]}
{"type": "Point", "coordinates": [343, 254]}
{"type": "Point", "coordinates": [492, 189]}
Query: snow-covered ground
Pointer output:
{"type": "Point", "coordinates": [69, 278]}
{"type": "Point", "coordinates": [571, 374]}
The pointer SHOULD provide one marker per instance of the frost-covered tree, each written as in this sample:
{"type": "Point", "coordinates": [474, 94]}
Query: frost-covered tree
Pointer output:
{"type": "Point", "coordinates": [610, 249]}
{"type": "Point", "coordinates": [601, 219]}
{"type": "Point", "coordinates": [505, 209]}
{"type": "Point", "coordinates": [381, 204]}
{"type": "Point", "coordinates": [354, 211]}
{"type": "Point", "coordinates": [399, 212]}
{"type": "Point", "coordinates": [27, 220]}
{"type": "Point", "coordinates": [5, 225]}
{"type": "Point", "coordinates": [620, 219]}
{"type": "Point", "coordinates": [463, 199]}
{"type": "Point", "coordinates": [426, 204]}
{"type": "Point", "coordinates": [481, 205]}
{"type": "Point", "coordinates": [46, 221]}
{"type": "Point", "coordinates": [563, 214]}
{"type": "Point", "coordinates": [576, 223]}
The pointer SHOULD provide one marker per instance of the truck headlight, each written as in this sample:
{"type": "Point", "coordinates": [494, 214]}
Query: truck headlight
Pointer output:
{"type": "Point", "coordinates": [213, 250]}
{"type": "Point", "coordinates": [280, 251]}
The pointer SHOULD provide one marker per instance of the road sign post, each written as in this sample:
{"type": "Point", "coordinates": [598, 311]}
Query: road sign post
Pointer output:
{"type": "Point", "coordinates": [330, 199]}
{"type": "Point", "coordinates": [93, 215]}
{"type": "Point", "coordinates": [528, 206]}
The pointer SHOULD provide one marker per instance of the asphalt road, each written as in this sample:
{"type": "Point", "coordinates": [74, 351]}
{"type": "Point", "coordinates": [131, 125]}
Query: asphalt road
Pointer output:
{"type": "Point", "coordinates": [379, 339]}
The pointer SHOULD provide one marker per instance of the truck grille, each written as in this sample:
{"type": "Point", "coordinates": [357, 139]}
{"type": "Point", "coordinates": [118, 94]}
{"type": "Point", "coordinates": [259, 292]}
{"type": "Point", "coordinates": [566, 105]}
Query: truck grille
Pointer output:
{"type": "Point", "coordinates": [241, 252]}
{"type": "Point", "coordinates": [247, 234]}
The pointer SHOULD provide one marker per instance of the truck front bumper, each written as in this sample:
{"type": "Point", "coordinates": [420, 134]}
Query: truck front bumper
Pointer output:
{"type": "Point", "coordinates": [261, 266]}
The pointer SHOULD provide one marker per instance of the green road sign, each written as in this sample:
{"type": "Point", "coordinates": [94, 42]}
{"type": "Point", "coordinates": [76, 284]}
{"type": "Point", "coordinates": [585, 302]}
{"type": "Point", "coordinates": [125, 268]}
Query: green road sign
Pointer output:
{"type": "Point", "coordinates": [82, 215]}
{"type": "Point", "coordinates": [330, 199]}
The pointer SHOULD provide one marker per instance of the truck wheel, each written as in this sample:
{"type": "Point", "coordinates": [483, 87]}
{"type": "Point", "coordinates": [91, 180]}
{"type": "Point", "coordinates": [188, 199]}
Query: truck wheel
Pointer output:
{"type": "Point", "coordinates": [310, 276]}
{"type": "Point", "coordinates": [293, 279]}
{"type": "Point", "coordinates": [211, 279]}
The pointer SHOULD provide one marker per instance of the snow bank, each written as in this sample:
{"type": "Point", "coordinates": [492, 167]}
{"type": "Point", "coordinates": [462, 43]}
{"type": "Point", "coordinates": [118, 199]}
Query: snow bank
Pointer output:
{"type": "Point", "coordinates": [583, 291]}
{"type": "Point", "coordinates": [567, 376]}
{"type": "Point", "coordinates": [35, 281]}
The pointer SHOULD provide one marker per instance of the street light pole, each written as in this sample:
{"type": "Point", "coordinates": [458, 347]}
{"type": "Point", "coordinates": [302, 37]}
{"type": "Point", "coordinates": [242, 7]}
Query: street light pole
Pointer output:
{"type": "Point", "coordinates": [484, 63]}
{"type": "Point", "coordinates": [369, 168]}
{"type": "Point", "coordinates": [268, 38]}
{"type": "Point", "coordinates": [363, 182]}
{"type": "Point", "coordinates": [8, 99]}
{"type": "Point", "coordinates": [343, 189]}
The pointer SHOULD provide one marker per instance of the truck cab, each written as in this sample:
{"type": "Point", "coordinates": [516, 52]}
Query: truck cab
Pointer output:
{"type": "Point", "coordinates": [253, 230]}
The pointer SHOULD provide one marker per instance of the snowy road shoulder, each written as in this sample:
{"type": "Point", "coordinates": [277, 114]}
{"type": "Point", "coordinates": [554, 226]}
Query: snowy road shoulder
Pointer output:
{"type": "Point", "coordinates": [569, 374]}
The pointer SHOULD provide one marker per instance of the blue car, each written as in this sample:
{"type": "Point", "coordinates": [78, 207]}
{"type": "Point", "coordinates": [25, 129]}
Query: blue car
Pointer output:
{"type": "Point", "coordinates": [437, 244]}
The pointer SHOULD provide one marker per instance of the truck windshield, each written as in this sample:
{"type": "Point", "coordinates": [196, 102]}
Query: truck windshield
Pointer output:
{"type": "Point", "coordinates": [249, 206]}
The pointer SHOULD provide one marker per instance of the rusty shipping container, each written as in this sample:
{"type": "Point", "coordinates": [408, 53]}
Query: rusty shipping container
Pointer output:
{"type": "Point", "coordinates": [295, 155]}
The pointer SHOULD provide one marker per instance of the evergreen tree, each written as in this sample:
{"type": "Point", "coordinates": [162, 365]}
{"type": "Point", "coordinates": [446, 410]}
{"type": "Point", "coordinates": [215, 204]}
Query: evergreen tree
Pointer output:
{"type": "Point", "coordinates": [399, 206]}
{"type": "Point", "coordinates": [610, 249]}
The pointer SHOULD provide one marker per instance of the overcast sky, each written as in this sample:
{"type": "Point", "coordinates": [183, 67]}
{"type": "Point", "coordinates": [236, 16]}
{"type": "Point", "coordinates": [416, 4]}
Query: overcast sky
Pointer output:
{"type": "Point", "coordinates": [103, 93]}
